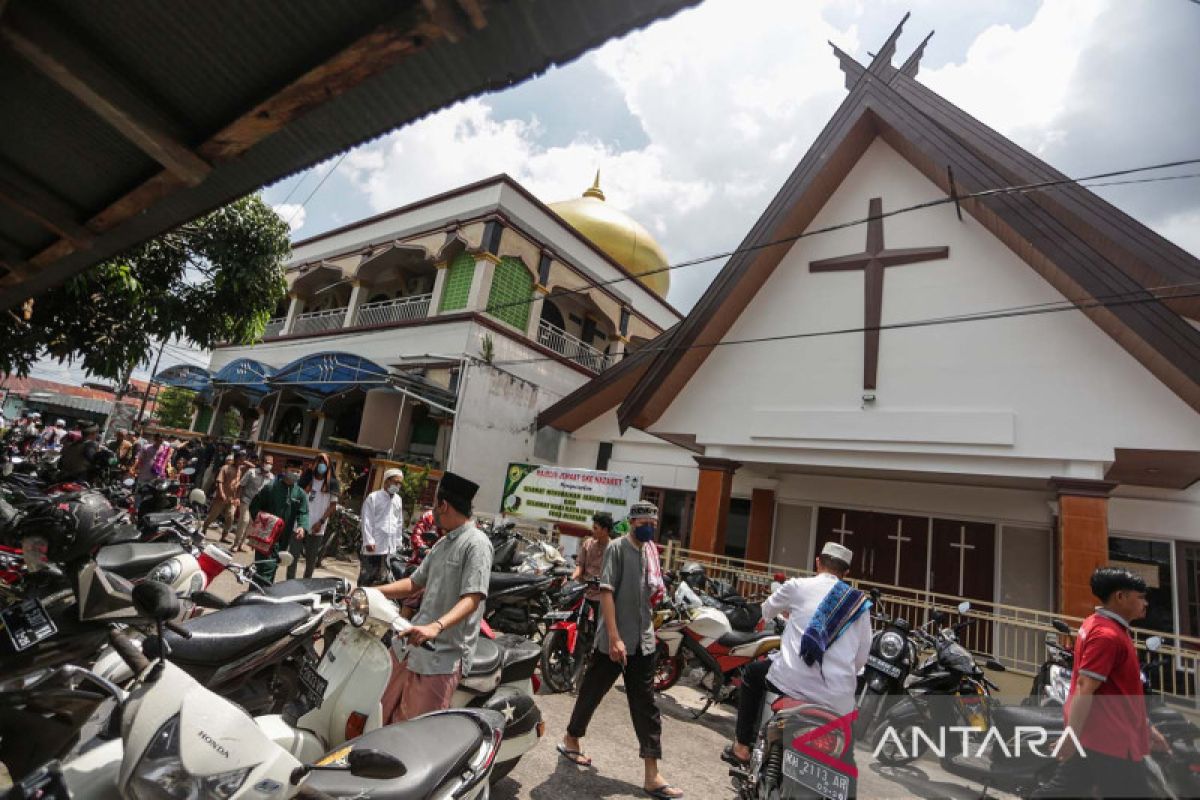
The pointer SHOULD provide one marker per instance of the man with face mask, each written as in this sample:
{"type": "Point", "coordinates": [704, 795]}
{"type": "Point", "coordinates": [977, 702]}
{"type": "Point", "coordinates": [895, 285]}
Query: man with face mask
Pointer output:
{"type": "Point", "coordinates": [323, 489]}
{"type": "Point", "coordinates": [631, 586]}
{"type": "Point", "coordinates": [382, 528]}
{"type": "Point", "coordinates": [286, 500]}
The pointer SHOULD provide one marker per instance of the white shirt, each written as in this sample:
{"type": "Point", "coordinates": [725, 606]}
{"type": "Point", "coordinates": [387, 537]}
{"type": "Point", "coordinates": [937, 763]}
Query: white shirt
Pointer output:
{"type": "Point", "coordinates": [382, 522]}
{"type": "Point", "coordinates": [318, 500]}
{"type": "Point", "coordinates": [832, 683]}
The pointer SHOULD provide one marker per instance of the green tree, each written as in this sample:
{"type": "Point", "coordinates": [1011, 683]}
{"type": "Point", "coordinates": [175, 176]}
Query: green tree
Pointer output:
{"type": "Point", "coordinates": [412, 487]}
{"type": "Point", "coordinates": [215, 279]}
{"type": "Point", "coordinates": [173, 407]}
{"type": "Point", "coordinates": [231, 423]}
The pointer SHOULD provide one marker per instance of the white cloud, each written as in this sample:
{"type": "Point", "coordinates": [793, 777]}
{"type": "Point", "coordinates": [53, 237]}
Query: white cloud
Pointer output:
{"type": "Point", "coordinates": [293, 214]}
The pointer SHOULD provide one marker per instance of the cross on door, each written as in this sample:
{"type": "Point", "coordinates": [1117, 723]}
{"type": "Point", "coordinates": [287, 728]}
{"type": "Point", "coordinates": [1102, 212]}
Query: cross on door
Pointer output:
{"type": "Point", "coordinates": [842, 532]}
{"type": "Point", "coordinates": [962, 547]}
{"type": "Point", "coordinates": [898, 537]}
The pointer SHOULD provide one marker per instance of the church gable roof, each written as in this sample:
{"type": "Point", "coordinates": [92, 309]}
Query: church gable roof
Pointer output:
{"type": "Point", "coordinates": [1084, 247]}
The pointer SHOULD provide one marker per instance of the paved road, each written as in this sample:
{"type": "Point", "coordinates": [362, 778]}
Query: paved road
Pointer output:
{"type": "Point", "coordinates": [691, 749]}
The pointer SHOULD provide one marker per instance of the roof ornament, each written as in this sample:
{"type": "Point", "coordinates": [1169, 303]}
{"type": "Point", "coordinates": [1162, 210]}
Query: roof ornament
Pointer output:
{"type": "Point", "coordinates": [881, 62]}
{"type": "Point", "coordinates": [594, 190]}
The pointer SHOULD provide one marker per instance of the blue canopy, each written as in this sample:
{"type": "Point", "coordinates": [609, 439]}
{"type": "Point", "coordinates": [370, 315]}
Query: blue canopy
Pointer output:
{"type": "Point", "coordinates": [185, 376]}
{"type": "Point", "coordinates": [245, 375]}
{"type": "Point", "coordinates": [319, 376]}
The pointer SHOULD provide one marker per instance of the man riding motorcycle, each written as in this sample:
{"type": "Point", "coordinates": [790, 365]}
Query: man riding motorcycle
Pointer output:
{"type": "Point", "coordinates": [825, 644]}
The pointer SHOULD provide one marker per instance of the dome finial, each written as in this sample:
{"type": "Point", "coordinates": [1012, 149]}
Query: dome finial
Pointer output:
{"type": "Point", "coordinates": [594, 191]}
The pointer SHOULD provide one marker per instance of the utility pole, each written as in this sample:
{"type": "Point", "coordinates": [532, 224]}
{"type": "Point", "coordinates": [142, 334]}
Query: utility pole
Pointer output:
{"type": "Point", "coordinates": [153, 372]}
{"type": "Point", "coordinates": [117, 395]}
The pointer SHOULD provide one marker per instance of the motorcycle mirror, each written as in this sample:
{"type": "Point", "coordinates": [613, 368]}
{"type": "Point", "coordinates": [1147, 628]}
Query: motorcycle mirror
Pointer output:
{"type": "Point", "coordinates": [208, 600]}
{"type": "Point", "coordinates": [964, 607]}
{"type": "Point", "coordinates": [127, 483]}
{"type": "Point", "coordinates": [994, 665]}
{"type": "Point", "coordinates": [938, 617]}
{"type": "Point", "coordinates": [1153, 643]}
{"type": "Point", "coordinates": [374, 765]}
{"type": "Point", "coordinates": [155, 600]}
{"type": "Point", "coordinates": [1061, 626]}
{"type": "Point", "coordinates": [875, 593]}
{"type": "Point", "coordinates": [286, 559]}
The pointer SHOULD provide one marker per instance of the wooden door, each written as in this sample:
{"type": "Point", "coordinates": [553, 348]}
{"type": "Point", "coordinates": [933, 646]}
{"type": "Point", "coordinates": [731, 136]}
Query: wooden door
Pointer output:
{"type": "Point", "coordinates": [859, 531]}
{"type": "Point", "coordinates": [901, 560]}
{"type": "Point", "coordinates": [962, 564]}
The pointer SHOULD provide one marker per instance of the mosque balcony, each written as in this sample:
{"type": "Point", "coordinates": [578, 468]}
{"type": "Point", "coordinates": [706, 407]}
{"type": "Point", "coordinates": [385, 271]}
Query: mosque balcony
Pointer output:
{"type": "Point", "coordinates": [571, 347]}
{"type": "Point", "coordinates": [274, 327]}
{"type": "Point", "coordinates": [397, 310]}
{"type": "Point", "coordinates": [319, 321]}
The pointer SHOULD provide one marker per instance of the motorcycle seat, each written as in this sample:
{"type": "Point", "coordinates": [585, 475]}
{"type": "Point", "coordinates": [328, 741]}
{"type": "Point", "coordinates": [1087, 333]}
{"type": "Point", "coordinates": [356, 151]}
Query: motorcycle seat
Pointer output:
{"type": "Point", "coordinates": [486, 659]}
{"type": "Point", "coordinates": [135, 559]}
{"type": "Point", "coordinates": [501, 581]}
{"type": "Point", "coordinates": [432, 748]}
{"type": "Point", "coordinates": [160, 519]}
{"type": "Point", "coordinates": [1050, 718]}
{"type": "Point", "coordinates": [739, 638]}
{"type": "Point", "coordinates": [225, 635]}
{"type": "Point", "coordinates": [292, 590]}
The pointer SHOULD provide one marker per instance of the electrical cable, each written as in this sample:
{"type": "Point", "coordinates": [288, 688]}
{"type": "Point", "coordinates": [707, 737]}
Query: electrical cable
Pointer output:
{"type": "Point", "coordinates": [317, 188]}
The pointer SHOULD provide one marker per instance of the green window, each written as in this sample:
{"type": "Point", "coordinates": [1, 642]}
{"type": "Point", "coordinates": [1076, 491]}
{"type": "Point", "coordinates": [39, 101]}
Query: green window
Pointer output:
{"type": "Point", "coordinates": [458, 282]}
{"type": "Point", "coordinates": [202, 419]}
{"type": "Point", "coordinates": [511, 294]}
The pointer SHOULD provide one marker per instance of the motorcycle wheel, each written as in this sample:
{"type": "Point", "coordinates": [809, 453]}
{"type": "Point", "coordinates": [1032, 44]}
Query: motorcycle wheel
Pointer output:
{"type": "Point", "coordinates": [558, 665]}
{"type": "Point", "coordinates": [868, 712]}
{"type": "Point", "coordinates": [892, 756]}
{"type": "Point", "coordinates": [666, 669]}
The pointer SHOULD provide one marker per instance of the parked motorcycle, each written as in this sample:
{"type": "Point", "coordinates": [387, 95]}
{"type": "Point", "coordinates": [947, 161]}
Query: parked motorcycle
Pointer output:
{"type": "Point", "coordinates": [518, 603]}
{"type": "Point", "coordinates": [893, 653]}
{"type": "Point", "coordinates": [569, 637]}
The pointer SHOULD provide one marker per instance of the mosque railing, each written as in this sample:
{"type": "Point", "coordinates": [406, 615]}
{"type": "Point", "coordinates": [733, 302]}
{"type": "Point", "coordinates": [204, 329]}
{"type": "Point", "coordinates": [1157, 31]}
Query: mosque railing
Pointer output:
{"type": "Point", "coordinates": [384, 312]}
{"type": "Point", "coordinates": [318, 321]}
{"type": "Point", "coordinates": [1015, 636]}
{"type": "Point", "coordinates": [571, 347]}
{"type": "Point", "coordinates": [274, 327]}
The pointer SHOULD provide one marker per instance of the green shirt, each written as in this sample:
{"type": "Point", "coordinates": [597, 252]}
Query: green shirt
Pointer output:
{"type": "Point", "coordinates": [289, 503]}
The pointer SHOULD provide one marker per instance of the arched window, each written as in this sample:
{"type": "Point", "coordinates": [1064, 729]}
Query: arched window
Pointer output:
{"type": "Point", "coordinates": [458, 282]}
{"type": "Point", "coordinates": [551, 314]}
{"type": "Point", "coordinates": [511, 293]}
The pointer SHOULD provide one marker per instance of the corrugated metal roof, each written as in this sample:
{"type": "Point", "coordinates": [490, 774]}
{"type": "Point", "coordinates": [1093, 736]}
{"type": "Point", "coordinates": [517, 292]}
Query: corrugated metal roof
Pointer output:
{"type": "Point", "coordinates": [203, 67]}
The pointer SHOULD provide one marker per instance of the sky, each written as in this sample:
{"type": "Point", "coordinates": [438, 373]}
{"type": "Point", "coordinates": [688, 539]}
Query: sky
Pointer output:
{"type": "Point", "coordinates": [695, 121]}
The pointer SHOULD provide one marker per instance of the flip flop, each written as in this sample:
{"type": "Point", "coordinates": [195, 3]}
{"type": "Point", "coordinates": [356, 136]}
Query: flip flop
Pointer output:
{"type": "Point", "coordinates": [663, 792]}
{"type": "Point", "coordinates": [574, 756]}
{"type": "Point", "coordinates": [729, 758]}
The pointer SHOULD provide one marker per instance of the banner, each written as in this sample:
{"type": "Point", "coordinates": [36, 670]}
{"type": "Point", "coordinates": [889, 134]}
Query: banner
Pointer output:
{"type": "Point", "coordinates": [562, 494]}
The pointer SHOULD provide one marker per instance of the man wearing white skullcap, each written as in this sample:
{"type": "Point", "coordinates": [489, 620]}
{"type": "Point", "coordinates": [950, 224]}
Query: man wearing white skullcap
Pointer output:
{"type": "Point", "coordinates": [382, 528]}
{"type": "Point", "coordinates": [825, 644]}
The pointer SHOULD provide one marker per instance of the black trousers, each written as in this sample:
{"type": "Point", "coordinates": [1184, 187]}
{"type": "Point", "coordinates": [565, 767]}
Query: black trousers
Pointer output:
{"type": "Point", "coordinates": [371, 569]}
{"type": "Point", "coordinates": [1098, 775]}
{"type": "Point", "coordinates": [750, 700]}
{"type": "Point", "coordinates": [310, 549]}
{"type": "Point", "coordinates": [601, 674]}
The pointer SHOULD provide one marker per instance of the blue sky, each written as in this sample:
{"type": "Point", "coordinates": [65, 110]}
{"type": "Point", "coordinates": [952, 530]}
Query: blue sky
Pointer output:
{"type": "Point", "coordinates": [695, 121]}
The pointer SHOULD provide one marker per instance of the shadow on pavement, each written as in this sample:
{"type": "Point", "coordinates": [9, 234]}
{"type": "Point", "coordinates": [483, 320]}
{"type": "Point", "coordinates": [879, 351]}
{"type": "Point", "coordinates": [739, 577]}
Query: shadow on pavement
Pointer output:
{"type": "Point", "coordinates": [567, 779]}
{"type": "Point", "coordinates": [918, 782]}
{"type": "Point", "coordinates": [715, 720]}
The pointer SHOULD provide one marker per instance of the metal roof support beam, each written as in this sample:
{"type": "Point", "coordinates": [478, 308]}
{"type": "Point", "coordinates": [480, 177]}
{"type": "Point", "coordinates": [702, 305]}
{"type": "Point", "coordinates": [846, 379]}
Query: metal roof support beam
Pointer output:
{"type": "Point", "coordinates": [106, 94]}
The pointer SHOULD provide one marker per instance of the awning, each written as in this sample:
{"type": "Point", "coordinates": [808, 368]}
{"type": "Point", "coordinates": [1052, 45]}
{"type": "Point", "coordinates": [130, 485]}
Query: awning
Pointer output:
{"type": "Point", "coordinates": [321, 376]}
{"type": "Point", "coordinates": [244, 375]}
{"type": "Point", "coordinates": [185, 376]}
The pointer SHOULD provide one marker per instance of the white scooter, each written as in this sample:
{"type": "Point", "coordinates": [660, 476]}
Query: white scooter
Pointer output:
{"type": "Point", "coordinates": [179, 740]}
{"type": "Point", "coordinates": [342, 694]}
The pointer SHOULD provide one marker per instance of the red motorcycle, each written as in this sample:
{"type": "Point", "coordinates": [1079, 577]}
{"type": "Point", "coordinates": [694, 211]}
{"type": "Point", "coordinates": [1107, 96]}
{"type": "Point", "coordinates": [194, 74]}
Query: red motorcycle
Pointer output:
{"type": "Point", "coordinates": [569, 636]}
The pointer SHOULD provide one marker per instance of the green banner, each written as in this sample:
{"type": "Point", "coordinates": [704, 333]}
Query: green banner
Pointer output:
{"type": "Point", "coordinates": [561, 494]}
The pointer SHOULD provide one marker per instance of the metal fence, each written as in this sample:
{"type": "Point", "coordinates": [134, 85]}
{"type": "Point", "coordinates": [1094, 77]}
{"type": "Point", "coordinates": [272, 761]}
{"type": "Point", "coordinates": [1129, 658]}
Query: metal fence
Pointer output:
{"type": "Point", "coordinates": [317, 321]}
{"type": "Point", "coordinates": [387, 311]}
{"type": "Point", "coordinates": [1013, 635]}
{"type": "Point", "coordinates": [575, 349]}
{"type": "Point", "coordinates": [274, 327]}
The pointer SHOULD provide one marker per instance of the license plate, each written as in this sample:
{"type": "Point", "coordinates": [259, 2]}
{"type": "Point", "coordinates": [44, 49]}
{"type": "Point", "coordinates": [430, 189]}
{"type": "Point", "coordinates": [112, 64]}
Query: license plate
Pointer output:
{"type": "Point", "coordinates": [312, 685]}
{"type": "Point", "coordinates": [27, 623]}
{"type": "Point", "coordinates": [558, 615]}
{"type": "Point", "coordinates": [886, 667]}
{"type": "Point", "coordinates": [814, 776]}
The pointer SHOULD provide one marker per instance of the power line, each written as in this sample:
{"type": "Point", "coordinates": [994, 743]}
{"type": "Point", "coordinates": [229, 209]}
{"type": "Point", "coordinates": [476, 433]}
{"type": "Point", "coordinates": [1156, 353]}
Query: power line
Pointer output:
{"type": "Point", "coordinates": [317, 188]}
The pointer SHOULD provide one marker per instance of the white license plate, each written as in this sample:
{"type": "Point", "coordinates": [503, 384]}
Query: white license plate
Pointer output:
{"type": "Point", "coordinates": [558, 615]}
{"type": "Point", "coordinates": [814, 776]}
{"type": "Point", "coordinates": [27, 623]}
{"type": "Point", "coordinates": [312, 685]}
{"type": "Point", "coordinates": [886, 667]}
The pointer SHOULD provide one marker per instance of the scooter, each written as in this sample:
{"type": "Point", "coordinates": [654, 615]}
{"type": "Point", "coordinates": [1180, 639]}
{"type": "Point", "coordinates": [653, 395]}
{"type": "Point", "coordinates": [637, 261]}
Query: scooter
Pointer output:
{"type": "Point", "coordinates": [341, 694]}
{"type": "Point", "coordinates": [180, 740]}
{"type": "Point", "coordinates": [703, 633]}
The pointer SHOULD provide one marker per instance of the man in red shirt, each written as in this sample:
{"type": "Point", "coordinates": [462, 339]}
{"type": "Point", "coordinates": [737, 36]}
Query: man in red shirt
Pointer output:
{"type": "Point", "coordinates": [1106, 707]}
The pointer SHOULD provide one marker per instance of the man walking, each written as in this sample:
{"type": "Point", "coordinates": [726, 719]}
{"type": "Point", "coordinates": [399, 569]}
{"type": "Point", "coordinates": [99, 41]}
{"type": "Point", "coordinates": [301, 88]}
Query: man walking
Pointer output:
{"type": "Point", "coordinates": [322, 490]}
{"type": "Point", "coordinates": [224, 505]}
{"type": "Point", "coordinates": [1106, 707]}
{"type": "Point", "coordinates": [382, 528]}
{"type": "Point", "coordinates": [631, 585]}
{"type": "Point", "coordinates": [286, 500]}
{"type": "Point", "coordinates": [254, 480]}
{"type": "Point", "coordinates": [455, 577]}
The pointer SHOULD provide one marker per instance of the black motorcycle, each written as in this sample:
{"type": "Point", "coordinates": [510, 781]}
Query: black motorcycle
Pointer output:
{"type": "Point", "coordinates": [518, 602]}
{"type": "Point", "coordinates": [893, 652]}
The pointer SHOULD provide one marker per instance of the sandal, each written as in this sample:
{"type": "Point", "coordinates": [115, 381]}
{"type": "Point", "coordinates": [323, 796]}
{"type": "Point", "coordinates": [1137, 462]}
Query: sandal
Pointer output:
{"type": "Point", "coordinates": [574, 756]}
{"type": "Point", "coordinates": [664, 792]}
{"type": "Point", "coordinates": [729, 758]}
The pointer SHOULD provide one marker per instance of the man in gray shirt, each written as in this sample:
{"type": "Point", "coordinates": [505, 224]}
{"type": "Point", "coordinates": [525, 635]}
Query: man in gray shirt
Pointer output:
{"type": "Point", "coordinates": [455, 576]}
{"type": "Point", "coordinates": [625, 646]}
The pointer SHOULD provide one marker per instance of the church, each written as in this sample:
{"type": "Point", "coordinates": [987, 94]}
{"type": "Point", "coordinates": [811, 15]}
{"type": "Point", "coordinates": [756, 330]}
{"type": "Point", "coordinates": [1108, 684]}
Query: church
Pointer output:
{"type": "Point", "coordinates": [985, 396]}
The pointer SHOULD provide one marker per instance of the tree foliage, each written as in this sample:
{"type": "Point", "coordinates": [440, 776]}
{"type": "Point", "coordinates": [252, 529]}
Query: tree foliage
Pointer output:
{"type": "Point", "coordinates": [412, 486]}
{"type": "Point", "coordinates": [215, 279]}
{"type": "Point", "coordinates": [231, 424]}
{"type": "Point", "coordinates": [173, 407]}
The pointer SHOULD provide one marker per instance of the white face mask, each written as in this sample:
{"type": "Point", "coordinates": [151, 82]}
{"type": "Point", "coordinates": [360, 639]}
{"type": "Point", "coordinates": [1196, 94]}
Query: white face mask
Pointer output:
{"type": "Point", "coordinates": [393, 490]}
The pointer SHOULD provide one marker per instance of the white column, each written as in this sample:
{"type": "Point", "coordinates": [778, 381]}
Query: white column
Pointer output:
{"type": "Point", "coordinates": [535, 311]}
{"type": "Point", "coordinates": [620, 343]}
{"type": "Point", "coordinates": [216, 415]}
{"type": "Point", "coordinates": [293, 309]}
{"type": "Point", "coordinates": [319, 430]}
{"type": "Point", "coordinates": [439, 286]}
{"type": "Point", "coordinates": [481, 284]}
{"type": "Point", "coordinates": [352, 306]}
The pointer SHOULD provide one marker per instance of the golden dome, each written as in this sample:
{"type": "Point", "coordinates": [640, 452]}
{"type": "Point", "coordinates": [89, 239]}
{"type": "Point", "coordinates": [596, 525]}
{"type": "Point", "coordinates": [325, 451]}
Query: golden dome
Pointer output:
{"type": "Point", "coordinates": [618, 235]}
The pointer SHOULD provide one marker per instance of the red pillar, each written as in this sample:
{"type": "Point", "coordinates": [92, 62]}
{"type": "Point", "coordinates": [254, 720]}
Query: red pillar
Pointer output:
{"type": "Point", "coordinates": [1082, 543]}
{"type": "Point", "coordinates": [713, 488]}
{"type": "Point", "coordinates": [762, 525]}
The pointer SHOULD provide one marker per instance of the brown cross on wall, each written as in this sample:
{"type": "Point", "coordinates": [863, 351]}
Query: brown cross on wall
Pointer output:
{"type": "Point", "coordinates": [872, 262]}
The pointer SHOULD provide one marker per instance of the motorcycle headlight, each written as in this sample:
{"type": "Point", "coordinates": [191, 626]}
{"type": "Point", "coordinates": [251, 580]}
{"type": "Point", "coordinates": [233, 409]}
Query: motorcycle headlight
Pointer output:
{"type": "Point", "coordinates": [166, 572]}
{"type": "Point", "coordinates": [890, 645]}
{"type": "Point", "coordinates": [358, 607]}
{"type": "Point", "coordinates": [160, 774]}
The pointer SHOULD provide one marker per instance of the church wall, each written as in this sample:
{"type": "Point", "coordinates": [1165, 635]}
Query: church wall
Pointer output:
{"type": "Point", "coordinates": [1053, 390]}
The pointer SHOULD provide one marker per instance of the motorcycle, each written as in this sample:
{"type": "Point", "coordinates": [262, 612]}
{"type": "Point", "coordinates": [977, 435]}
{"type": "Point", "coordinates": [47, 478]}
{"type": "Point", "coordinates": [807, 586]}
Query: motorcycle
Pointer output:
{"type": "Point", "coordinates": [569, 637]}
{"type": "Point", "coordinates": [341, 692]}
{"type": "Point", "coordinates": [893, 653]}
{"type": "Point", "coordinates": [705, 635]}
{"type": "Point", "coordinates": [518, 603]}
{"type": "Point", "coordinates": [179, 738]}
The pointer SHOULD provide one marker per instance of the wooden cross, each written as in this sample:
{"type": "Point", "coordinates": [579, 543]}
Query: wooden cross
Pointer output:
{"type": "Point", "coordinates": [899, 538]}
{"type": "Point", "coordinates": [962, 547]}
{"type": "Point", "coordinates": [842, 532]}
{"type": "Point", "coordinates": [873, 261]}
